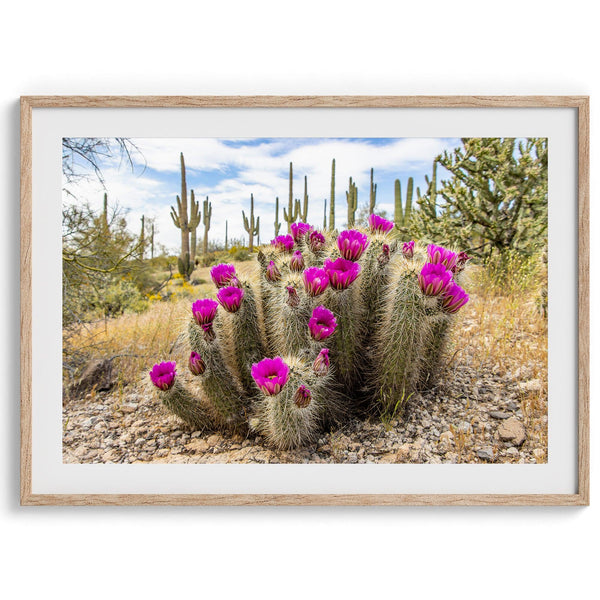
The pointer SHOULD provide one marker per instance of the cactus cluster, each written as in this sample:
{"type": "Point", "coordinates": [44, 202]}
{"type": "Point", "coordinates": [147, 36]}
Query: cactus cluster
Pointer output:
{"type": "Point", "coordinates": [323, 326]}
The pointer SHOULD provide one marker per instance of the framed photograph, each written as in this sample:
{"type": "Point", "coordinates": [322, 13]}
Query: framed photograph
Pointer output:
{"type": "Point", "coordinates": [317, 300]}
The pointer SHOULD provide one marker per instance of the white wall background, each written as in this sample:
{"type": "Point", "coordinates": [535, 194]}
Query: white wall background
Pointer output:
{"type": "Point", "coordinates": [375, 47]}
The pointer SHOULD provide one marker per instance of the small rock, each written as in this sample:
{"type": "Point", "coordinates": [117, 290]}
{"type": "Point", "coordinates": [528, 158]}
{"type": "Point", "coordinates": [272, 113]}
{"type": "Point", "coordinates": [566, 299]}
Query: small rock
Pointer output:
{"type": "Point", "coordinates": [512, 451]}
{"type": "Point", "coordinates": [486, 453]}
{"type": "Point", "coordinates": [352, 457]}
{"type": "Point", "coordinates": [539, 454]}
{"type": "Point", "coordinates": [513, 431]}
{"type": "Point", "coordinates": [533, 385]}
{"type": "Point", "coordinates": [447, 436]}
{"type": "Point", "coordinates": [498, 414]}
{"type": "Point", "coordinates": [214, 440]}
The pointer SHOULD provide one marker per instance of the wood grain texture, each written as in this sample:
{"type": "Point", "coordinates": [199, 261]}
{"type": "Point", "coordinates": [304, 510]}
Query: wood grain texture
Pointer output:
{"type": "Point", "coordinates": [581, 103]}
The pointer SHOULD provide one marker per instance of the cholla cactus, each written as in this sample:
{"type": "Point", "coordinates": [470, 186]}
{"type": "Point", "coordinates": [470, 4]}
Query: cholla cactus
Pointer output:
{"type": "Point", "coordinates": [324, 325]}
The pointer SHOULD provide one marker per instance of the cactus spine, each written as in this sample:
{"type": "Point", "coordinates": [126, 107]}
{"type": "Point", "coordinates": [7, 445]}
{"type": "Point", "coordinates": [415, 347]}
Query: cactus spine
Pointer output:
{"type": "Point", "coordinates": [194, 222]}
{"type": "Point", "coordinates": [277, 224]}
{"type": "Point", "coordinates": [206, 220]}
{"type": "Point", "coordinates": [250, 225]}
{"type": "Point", "coordinates": [332, 198]}
{"type": "Point", "coordinates": [352, 201]}
{"type": "Point", "coordinates": [372, 194]}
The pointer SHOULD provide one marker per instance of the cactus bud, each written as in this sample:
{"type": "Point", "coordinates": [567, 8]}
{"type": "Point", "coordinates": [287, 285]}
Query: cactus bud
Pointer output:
{"type": "Point", "coordinates": [321, 364]}
{"type": "Point", "coordinates": [408, 249]}
{"type": "Point", "coordinates": [196, 364]}
{"type": "Point", "coordinates": [293, 298]}
{"type": "Point", "coordinates": [273, 273]}
{"type": "Point", "coordinates": [384, 257]}
{"type": "Point", "coordinates": [302, 397]}
{"type": "Point", "coordinates": [297, 261]}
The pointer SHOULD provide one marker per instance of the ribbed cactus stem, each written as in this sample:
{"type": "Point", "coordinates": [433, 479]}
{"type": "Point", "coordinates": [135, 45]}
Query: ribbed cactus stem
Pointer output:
{"type": "Point", "coordinates": [206, 220]}
{"type": "Point", "coordinates": [226, 238]}
{"type": "Point", "coordinates": [435, 345]}
{"type": "Point", "coordinates": [105, 229]}
{"type": "Point", "coordinates": [401, 342]}
{"type": "Point", "coordinates": [180, 218]}
{"type": "Point", "coordinates": [277, 224]}
{"type": "Point", "coordinates": [142, 242]}
{"type": "Point", "coordinates": [372, 194]}
{"type": "Point", "coordinates": [352, 201]}
{"type": "Point", "coordinates": [325, 214]}
{"type": "Point", "coordinates": [250, 225]}
{"type": "Point", "coordinates": [284, 424]}
{"type": "Point", "coordinates": [246, 338]}
{"type": "Point", "coordinates": [220, 386]}
{"type": "Point", "coordinates": [288, 217]}
{"type": "Point", "coordinates": [194, 222]}
{"type": "Point", "coordinates": [303, 213]}
{"type": "Point", "coordinates": [409, 197]}
{"type": "Point", "coordinates": [183, 403]}
{"type": "Point", "coordinates": [332, 198]}
{"type": "Point", "coordinates": [398, 212]}
{"type": "Point", "coordinates": [152, 242]}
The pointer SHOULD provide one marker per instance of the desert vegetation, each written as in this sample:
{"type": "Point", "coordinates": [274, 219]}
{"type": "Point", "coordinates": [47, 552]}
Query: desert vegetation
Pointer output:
{"type": "Point", "coordinates": [427, 329]}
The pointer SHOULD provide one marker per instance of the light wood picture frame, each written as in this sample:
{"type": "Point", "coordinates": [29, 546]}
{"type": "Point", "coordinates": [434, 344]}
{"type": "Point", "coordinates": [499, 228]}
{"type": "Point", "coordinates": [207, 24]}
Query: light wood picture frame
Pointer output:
{"type": "Point", "coordinates": [32, 496]}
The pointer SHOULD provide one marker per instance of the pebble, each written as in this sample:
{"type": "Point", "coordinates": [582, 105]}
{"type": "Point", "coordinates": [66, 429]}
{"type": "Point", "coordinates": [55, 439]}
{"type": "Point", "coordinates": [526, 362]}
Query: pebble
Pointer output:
{"type": "Point", "coordinates": [512, 431]}
{"type": "Point", "coordinates": [486, 453]}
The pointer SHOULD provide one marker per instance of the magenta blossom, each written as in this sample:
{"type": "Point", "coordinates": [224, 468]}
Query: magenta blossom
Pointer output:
{"type": "Point", "coordinates": [341, 272]}
{"type": "Point", "coordinates": [352, 243]}
{"type": "Point", "coordinates": [293, 298]}
{"type": "Point", "coordinates": [222, 274]}
{"type": "Point", "coordinates": [315, 281]}
{"type": "Point", "coordinates": [163, 375]}
{"type": "Point", "coordinates": [316, 241]}
{"type": "Point", "coordinates": [408, 249]}
{"type": "Point", "coordinates": [378, 224]}
{"type": "Point", "coordinates": [440, 255]}
{"type": "Point", "coordinates": [283, 243]}
{"type": "Point", "coordinates": [434, 279]}
{"type": "Point", "coordinates": [204, 311]}
{"type": "Point", "coordinates": [454, 298]}
{"type": "Point", "coordinates": [297, 261]}
{"type": "Point", "coordinates": [302, 397]}
{"type": "Point", "coordinates": [273, 273]}
{"type": "Point", "coordinates": [299, 230]}
{"type": "Point", "coordinates": [384, 257]}
{"type": "Point", "coordinates": [322, 323]}
{"type": "Point", "coordinates": [321, 364]}
{"type": "Point", "coordinates": [196, 364]}
{"type": "Point", "coordinates": [270, 375]}
{"type": "Point", "coordinates": [230, 298]}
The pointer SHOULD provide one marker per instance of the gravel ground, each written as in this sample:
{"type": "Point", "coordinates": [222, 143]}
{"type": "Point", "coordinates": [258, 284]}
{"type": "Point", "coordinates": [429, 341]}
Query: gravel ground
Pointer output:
{"type": "Point", "coordinates": [474, 417]}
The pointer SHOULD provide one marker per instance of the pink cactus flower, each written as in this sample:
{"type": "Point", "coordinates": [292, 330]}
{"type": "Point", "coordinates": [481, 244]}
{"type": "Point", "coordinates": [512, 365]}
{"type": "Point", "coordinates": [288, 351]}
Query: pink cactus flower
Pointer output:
{"type": "Point", "coordinates": [352, 243]}
{"type": "Point", "coordinates": [223, 274]}
{"type": "Point", "coordinates": [408, 249]}
{"type": "Point", "coordinates": [230, 298]}
{"type": "Point", "coordinates": [434, 279]}
{"type": "Point", "coordinates": [454, 298]}
{"type": "Point", "coordinates": [341, 272]}
{"type": "Point", "coordinates": [440, 255]}
{"type": "Point", "coordinates": [283, 243]}
{"type": "Point", "coordinates": [321, 364]}
{"type": "Point", "coordinates": [299, 230]}
{"type": "Point", "coordinates": [316, 241]}
{"type": "Point", "coordinates": [461, 261]}
{"type": "Point", "coordinates": [378, 224]}
{"type": "Point", "coordinates": [204, 311]}
{"type": "Point", "coordinates": [297, 261]}
{"type": "Point", "coordinates": [315, 281]}
{"type": "Point", "coordinates": [322, 324]}
{"type": "Point", "coordinates": [163, 374]}
{"type": "Point", "coordinates": [196, 364]}
{"type": "Point", "coordinates": [270, 375]}
{"type": "Point", "coordinates": [273, 273]}
{"type": "Point", "coordinates": [302, 397]}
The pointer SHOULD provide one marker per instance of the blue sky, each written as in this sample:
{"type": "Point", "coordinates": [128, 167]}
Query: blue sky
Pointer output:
{"type": "Point", "coordinates": [229, 170]}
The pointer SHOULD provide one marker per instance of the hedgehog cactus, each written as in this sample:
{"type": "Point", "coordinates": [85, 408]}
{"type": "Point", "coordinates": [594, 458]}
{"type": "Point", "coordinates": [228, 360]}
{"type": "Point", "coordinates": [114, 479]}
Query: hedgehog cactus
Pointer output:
{"type": "Point", "coordinates": [322, 326]}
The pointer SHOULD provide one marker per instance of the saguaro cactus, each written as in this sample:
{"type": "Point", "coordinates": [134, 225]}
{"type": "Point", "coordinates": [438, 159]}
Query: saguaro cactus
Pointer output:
{"type": "Point", "coordinates": [142, 242]}
{"type": "Point", "coordinates": [277, 224]}
{"type": "Point", "coordinates": [152, 241]}
{"type": "Point", "coordinates": [352, 201]}
{"type": "Point", "coordinates": [372, 194]}
{"type": "Point", "coordinates": [194, 222]}
{"type": "Point", "coordinates": [332, 198]}
{"type": "Point", "coordinates": [226, 240]}
{"type": "Point", "coordinates": [292, 212]}
{"type": "Point", "coordinates": [180, 220]}
{"type": "Point", "coordinates": [206, 220]}
{"type": "Point", "coordinates": [303, 212]}
{"type": "Point", "coordinates": [291, 215]}
{"type": "Point", "coordinates": [250, 225]}
{"type": "Point", "coordinates": [402, 215]}
{"type": "Point", "coordinates": [105, 230]}
{"type": "Point", "coordinates": [325, 214]}
{"type": "Point", "coordinates": [431, 198]}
